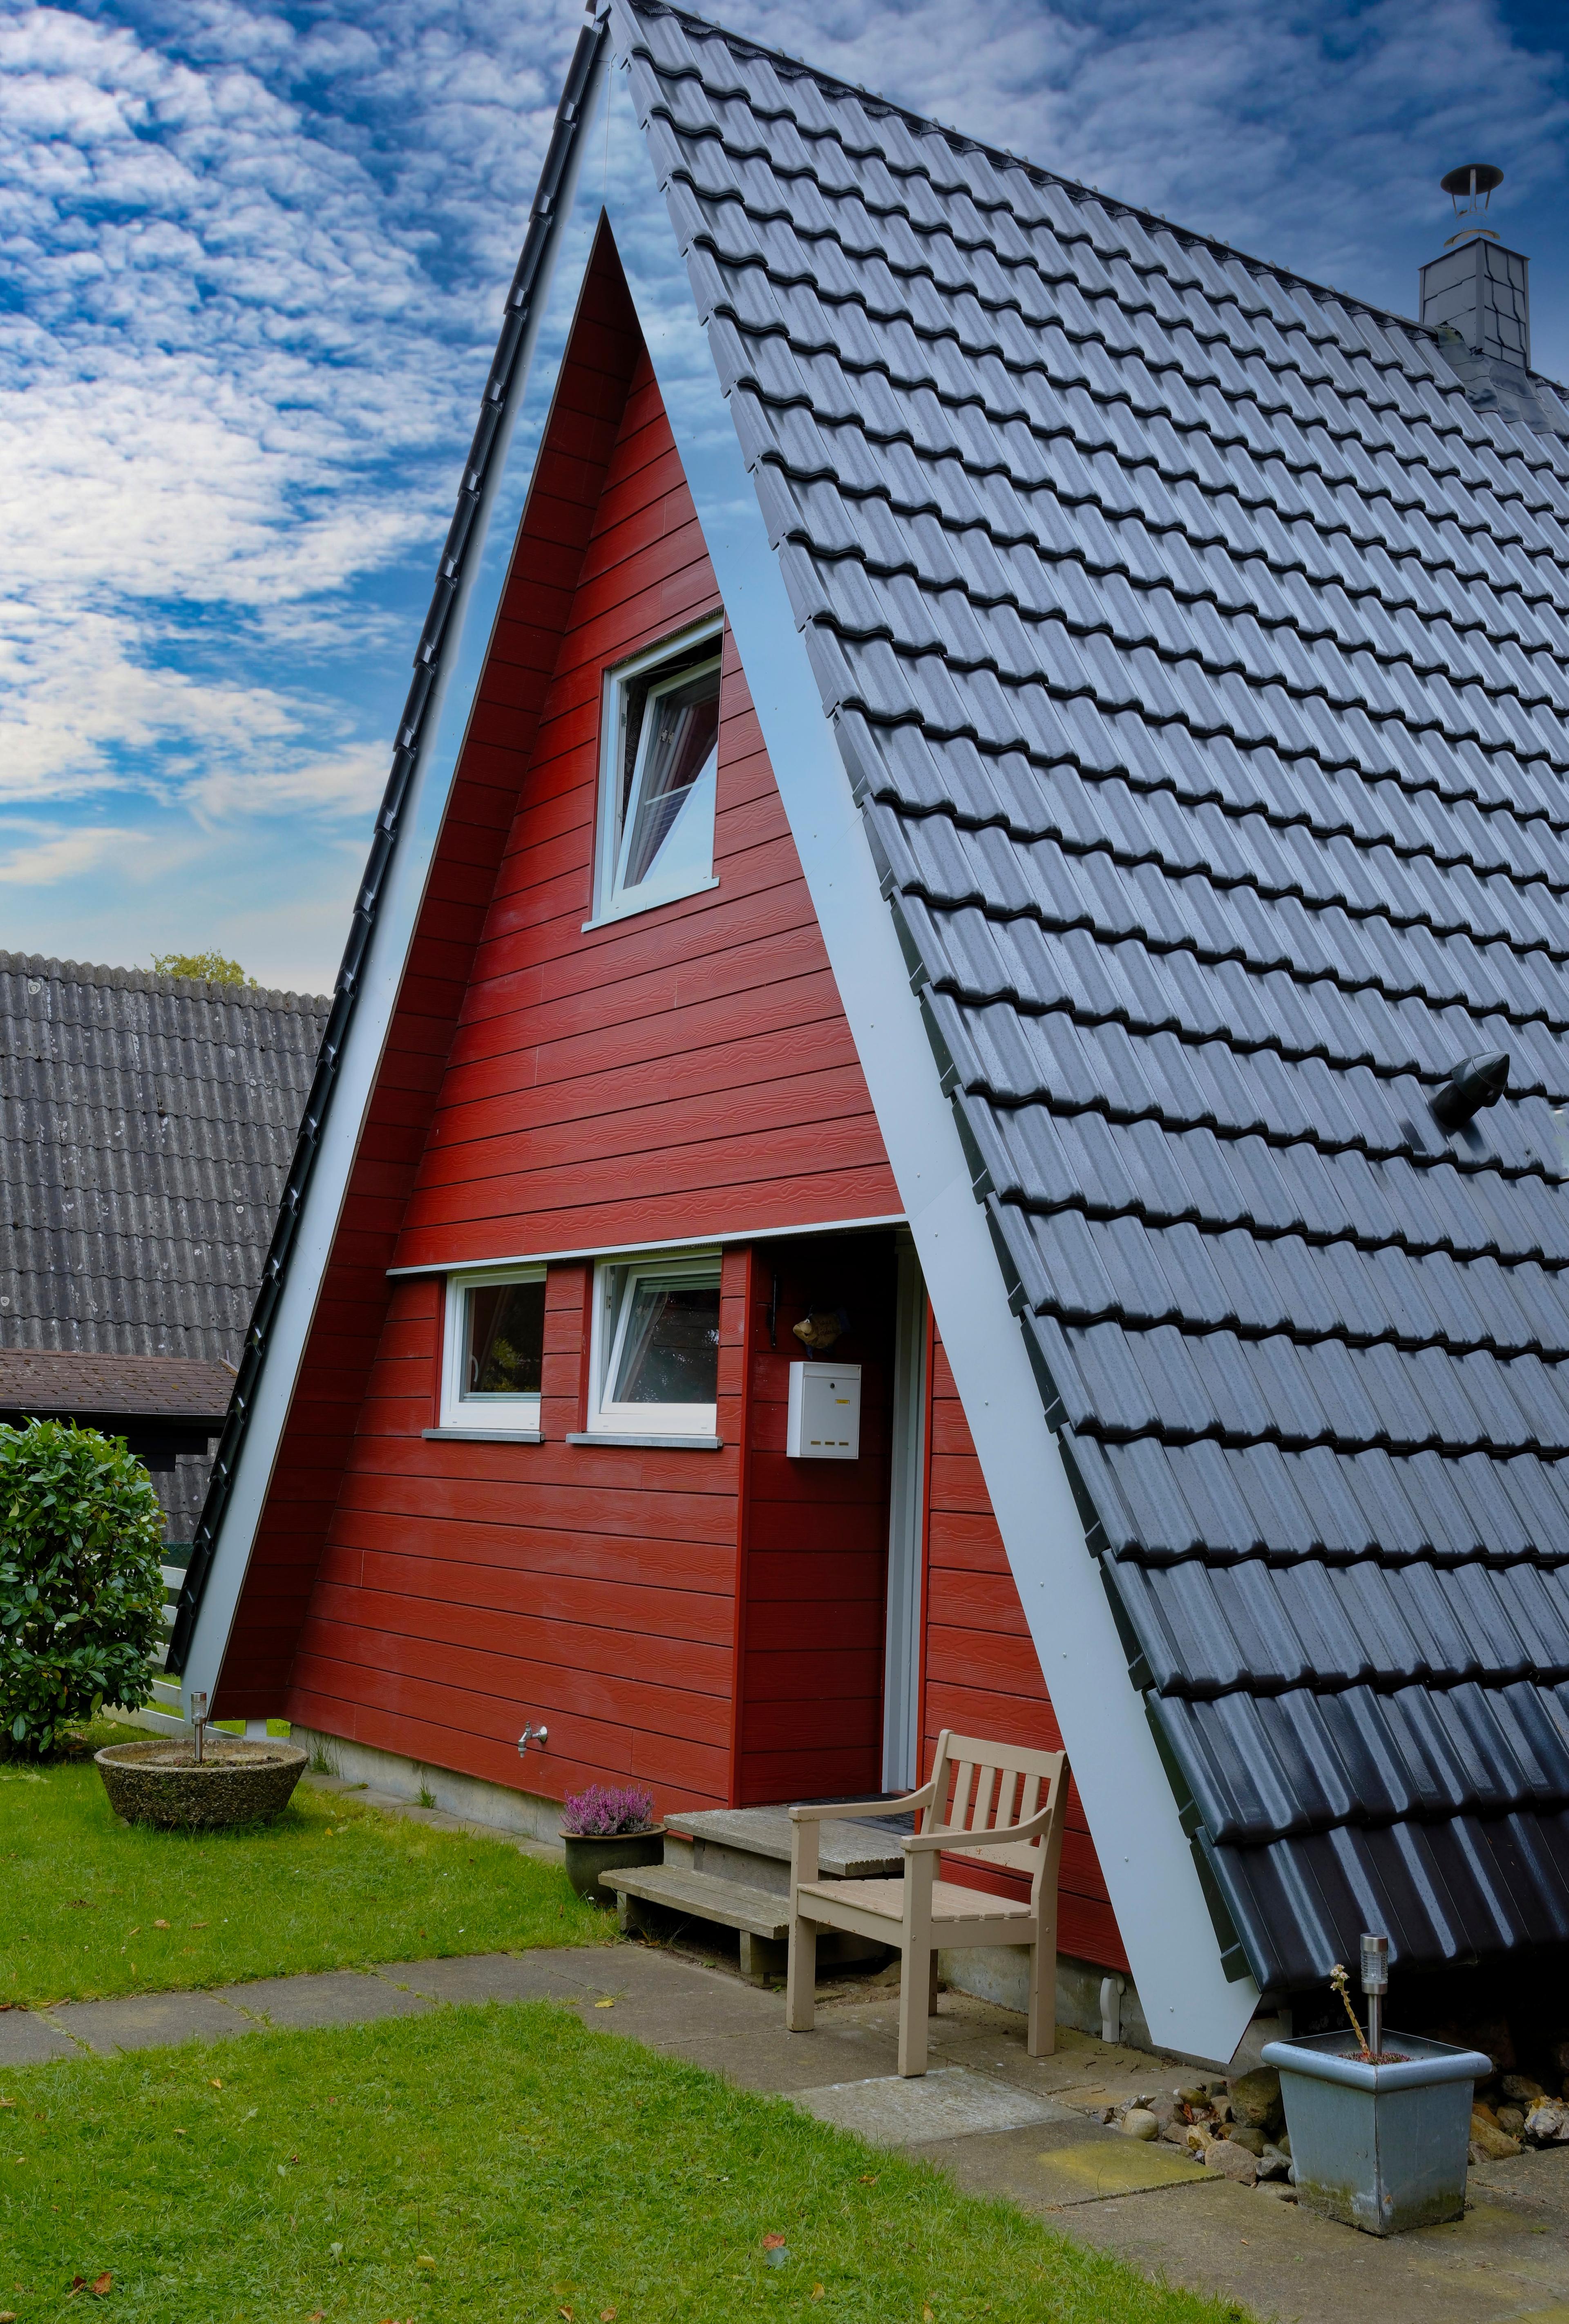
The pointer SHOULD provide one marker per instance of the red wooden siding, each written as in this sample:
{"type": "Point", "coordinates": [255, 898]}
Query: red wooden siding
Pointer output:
{"type": "Point", "coordinates": [711, 1623]}
{"type": "Point", "coordinates": [982, 1672]}
{"type": "Point", "coordinates": [684, 1072]}
{"type": "Point", "coordinates": [353, 1306]}
{"type": "Point", "coordinates": [817, 1563]}
{"type": "Point", "coordinates": [468, 1588]}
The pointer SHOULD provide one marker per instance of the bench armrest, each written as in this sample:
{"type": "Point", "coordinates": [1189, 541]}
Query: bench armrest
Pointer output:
{"type": "Point", "coordinates": [960, 1842]}
{"type": "Point", "coordinates": [851, 1809]}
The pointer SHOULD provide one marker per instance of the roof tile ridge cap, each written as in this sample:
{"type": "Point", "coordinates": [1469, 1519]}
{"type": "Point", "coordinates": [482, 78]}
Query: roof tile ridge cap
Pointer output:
{"type": "Point", "coordinates": [1153, 220]}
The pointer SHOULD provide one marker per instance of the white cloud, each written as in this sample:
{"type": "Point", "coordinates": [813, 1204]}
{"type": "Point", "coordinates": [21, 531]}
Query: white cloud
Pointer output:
{"type": "Point", "coordinates": [43, 855]}
{"type": "Point", "coordinates": [257, 266]}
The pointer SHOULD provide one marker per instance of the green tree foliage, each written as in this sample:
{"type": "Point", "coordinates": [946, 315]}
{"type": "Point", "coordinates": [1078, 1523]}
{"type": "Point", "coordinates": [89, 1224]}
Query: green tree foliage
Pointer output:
{"type": "Point", "coordinates": [82, 1591]}
{"type": "Point", "coordinates": [212, 966]}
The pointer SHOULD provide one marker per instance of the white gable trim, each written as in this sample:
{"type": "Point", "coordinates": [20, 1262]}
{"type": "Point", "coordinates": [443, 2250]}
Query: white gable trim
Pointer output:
{"type": "Point", "coordinates": [1189, 2004]}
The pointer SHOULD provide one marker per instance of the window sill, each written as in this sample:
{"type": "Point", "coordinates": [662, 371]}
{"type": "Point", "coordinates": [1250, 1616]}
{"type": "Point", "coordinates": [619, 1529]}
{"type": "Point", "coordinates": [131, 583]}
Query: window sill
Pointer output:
{"type": "Point", "coordinates": [653, 1443]}
{"type": "Point", "coordinates": [483, 1436]}
{"type": "Point", "coordinates": [632, 910]}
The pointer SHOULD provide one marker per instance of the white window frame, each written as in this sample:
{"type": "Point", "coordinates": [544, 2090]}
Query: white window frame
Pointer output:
{"type": "Point", "coordinates": [608, 1337]}
{"type": "Point", "coordinates": [494, 1415]}
{"type": "Point", "coordinates": [609, 902]}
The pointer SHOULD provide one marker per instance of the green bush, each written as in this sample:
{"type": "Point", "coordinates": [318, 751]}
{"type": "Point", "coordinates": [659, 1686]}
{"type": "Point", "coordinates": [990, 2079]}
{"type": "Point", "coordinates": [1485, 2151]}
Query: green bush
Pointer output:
{"type": "Point", "coordinates": [81, 1592]}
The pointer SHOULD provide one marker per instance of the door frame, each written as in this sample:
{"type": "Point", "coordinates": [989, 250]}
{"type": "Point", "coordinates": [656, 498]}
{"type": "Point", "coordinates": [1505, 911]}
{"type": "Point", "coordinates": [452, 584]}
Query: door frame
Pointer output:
{"type": "Point", "coordinates": [905, 1527]}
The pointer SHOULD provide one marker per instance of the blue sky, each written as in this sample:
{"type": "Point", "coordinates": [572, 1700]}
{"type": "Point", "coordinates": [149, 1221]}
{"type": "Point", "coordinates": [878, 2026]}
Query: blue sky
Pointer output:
{"type": "Point", "coordinates": [252, 264]}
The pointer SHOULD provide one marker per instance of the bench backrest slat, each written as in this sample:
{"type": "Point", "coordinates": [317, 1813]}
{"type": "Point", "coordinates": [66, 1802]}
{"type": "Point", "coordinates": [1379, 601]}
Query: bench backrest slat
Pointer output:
{"type": "Point", "coordinates": [984, 1786]}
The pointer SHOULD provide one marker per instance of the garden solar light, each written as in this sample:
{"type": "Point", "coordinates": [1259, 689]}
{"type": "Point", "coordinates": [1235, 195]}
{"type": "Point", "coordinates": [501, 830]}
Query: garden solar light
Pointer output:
{"type": "Point", "coordinates": [1475, 1082]}
{"type": "Point", "coordinates": [1375, 1985]}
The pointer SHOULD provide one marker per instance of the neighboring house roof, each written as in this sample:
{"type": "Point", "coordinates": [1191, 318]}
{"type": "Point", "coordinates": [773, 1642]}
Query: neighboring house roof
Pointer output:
{"type": "Point", "coordinates": [1196, 654]}
{"type": "Point", "coordinates": [146, 1123]}
{"type": "Point", "coordinates": [44, 1383]}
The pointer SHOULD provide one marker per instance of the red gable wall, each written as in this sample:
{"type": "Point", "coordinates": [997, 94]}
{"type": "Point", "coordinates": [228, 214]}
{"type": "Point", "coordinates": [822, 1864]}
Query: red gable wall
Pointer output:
{"type": "Point", "coordinates": [686, 1073]}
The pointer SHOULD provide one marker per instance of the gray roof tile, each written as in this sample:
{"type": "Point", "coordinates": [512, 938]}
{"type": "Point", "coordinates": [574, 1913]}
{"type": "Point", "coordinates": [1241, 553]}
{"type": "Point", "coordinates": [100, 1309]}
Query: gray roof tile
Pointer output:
{"type": "Point", "coordinates": [146, 1123]}
{"type": "Point", "coordinates": [1200, 660]}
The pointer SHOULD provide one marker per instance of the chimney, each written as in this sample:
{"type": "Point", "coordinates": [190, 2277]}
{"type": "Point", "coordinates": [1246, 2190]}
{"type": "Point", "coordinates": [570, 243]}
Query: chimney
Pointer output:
{"type": "Point", "coordinates": [1477, 297]}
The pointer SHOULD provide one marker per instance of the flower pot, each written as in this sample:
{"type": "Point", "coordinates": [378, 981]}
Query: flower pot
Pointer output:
{"type": "Point", "coordinates": [590, 1854]}
{"type": "Point", "coordinates": [160, 1782]}
{"type": "Point", "coordinates": [1382, 2148]}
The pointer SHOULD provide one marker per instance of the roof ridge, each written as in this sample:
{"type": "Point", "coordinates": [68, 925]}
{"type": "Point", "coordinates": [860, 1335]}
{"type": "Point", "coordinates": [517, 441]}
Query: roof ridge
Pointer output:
{"type": "Point", "coordinates": [147, 980]}
{"type": "Point", "coordinates": [1074, 187]}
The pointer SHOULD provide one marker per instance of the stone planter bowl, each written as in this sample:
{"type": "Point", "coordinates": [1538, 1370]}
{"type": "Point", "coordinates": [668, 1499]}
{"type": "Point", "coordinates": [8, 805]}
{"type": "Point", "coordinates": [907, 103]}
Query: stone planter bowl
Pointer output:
{"type": "Point", "coordinates": [159, 1781]}
{"type": "Point", "coordinates": [588, 1854]}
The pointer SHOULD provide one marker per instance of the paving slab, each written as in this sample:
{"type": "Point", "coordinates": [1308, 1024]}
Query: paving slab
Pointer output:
{"type": "Point", "coordinates": [563, 1976]}
{"type": "Point", "coordinates": [145, 2021]}
{"type": "Point", "coordinates": [1062, 2160]}
{"type": "Point", "coordinates": [27, 2039]}
{"type": "Point", "coordinates": [949, 2103]}
{"type": "Point", "coordinates": [1280, 2261]}
{"type": "Point", "coordinates": [771, 2059]}
{"type": "Point", "coordinates": [337, 1997]}
{"type": "Point", "coordinates": [1540, 2175]}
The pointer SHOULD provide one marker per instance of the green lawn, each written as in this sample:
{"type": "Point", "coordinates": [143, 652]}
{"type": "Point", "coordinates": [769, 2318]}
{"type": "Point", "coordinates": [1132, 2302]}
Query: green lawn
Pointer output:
{"type": "Point", "coordinates": [93, 1906]}
{"type": "Point", "coordinates": [495, 2166]}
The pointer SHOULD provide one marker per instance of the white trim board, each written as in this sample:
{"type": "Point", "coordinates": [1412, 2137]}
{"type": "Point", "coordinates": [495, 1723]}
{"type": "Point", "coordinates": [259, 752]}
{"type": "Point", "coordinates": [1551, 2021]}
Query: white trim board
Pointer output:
{"type": "Point", "coordinates": [1149, 1868]}
{"type": "Point", "coordinates": [670, 1243]}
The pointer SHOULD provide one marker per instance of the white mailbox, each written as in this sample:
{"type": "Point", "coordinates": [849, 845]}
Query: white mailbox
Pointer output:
{"type": "Point", "coordinates": [824, 1416]}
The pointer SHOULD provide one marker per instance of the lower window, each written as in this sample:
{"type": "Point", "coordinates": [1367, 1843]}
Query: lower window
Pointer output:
{"type": "Point", "coordinates": [656, 1336]}
{"type": "Point", "coordinates": [495, 1349]}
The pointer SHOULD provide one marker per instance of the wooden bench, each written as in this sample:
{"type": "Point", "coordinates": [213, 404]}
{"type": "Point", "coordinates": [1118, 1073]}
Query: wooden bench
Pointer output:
{"type": "Point", "coordinates": [994, 1803]}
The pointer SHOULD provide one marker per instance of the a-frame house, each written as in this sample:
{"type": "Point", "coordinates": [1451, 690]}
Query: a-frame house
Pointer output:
{"type": "Point", "coordinates": [977, 766]}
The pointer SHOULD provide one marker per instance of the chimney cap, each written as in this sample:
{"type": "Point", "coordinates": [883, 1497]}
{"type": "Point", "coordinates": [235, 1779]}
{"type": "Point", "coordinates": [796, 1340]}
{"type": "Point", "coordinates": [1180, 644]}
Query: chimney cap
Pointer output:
{"type": "Point", "coordinates": [1474, 178]}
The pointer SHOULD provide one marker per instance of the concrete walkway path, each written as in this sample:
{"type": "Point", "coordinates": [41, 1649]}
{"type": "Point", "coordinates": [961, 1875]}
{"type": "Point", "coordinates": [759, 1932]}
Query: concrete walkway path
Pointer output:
{"type": "Point", "coordinates": [1000, 2122]}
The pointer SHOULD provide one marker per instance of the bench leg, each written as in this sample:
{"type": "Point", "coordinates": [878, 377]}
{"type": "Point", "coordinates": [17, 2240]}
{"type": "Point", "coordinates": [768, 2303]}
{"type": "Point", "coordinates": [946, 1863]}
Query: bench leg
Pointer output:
{"type": "Point", "coordinates": [916, 1999]}
{"type": "Point", "coordinates": [1040, 2031]}
{"type": "Point", "coordinates": [627, 1918]}
{"type": "Point", "coordinates": [802, 1977]}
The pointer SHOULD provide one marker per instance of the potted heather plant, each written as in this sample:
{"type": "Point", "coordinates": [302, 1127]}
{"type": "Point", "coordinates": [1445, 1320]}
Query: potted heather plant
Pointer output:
{"type": "Point", "coordinates": [608, 1828]}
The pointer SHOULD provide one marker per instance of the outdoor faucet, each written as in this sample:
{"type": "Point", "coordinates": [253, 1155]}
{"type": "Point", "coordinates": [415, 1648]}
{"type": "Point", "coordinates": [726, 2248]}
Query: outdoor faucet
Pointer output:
{"type": "Point", "coordinates": [199, 1723]}
{"type": "Point", "coordinates": [532, 1734]}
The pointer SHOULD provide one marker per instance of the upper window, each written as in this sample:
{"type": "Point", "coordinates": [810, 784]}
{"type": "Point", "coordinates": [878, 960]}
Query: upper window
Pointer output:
{"type": "Point", "coordinates": [657, 1345]}
{"type": "Point", "coordinates": [657, 788]}
{"type": "Point", "coordinates": [495, 1349]}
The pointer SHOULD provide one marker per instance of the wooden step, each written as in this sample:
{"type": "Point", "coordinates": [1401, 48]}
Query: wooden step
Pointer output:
{"type": "Point", "coordinates": [753, 1911]}
{"type": "Point", "coordinates": [847, 1850]}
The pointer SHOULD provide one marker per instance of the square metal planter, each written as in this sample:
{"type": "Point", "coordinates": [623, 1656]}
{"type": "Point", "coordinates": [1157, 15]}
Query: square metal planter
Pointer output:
{"type": "Point", "coordinates": [1382, 2148]}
